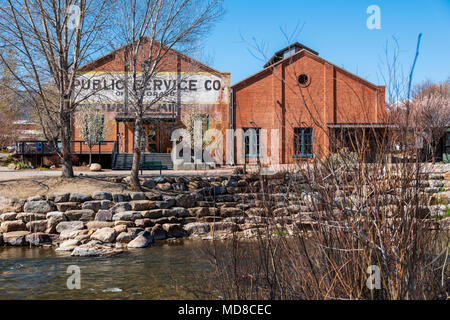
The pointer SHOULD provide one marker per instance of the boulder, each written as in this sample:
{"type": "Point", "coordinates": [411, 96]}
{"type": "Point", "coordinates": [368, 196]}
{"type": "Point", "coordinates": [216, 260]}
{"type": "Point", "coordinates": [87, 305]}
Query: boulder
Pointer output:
{"type": "Point", "coordinates": [224, 227]}
{"type": "Point", "coordinates": [79, 197]}
{"type": "Point", "coordinates": [158, 233]}
{"type": "Point", "coordinates": [142, 205]}
{"type": "Point", "coordinates": [231, 212]}
{"type": "Point", "coordinates": [97, 205]}
{"type": "Point", "coordinates": [52, 222]}
{"type": "Point", "coordinates": [120, 197]}
{"type": "Point", "coordinates": [205, 204]}
{"type": "Point", "coordinates": [69, 226]}
{"type": "Point", "coordinates": [95, 167]}
{"type": "Point", "coordinates": [105, 235]}
{"type": "Point", "coordinates": [199, 212]}
{"type": "Point", "coordinates": [166, 204]}
{"type": "Point", "coordinates": [121, 228]}
{"type": "Point", "coordinates": [42, 206]}
{"type": "Point", "coordinates": [57, 215]}
{"type": "Point", "coordinates": [11, 205]}
{"type": "Point", "coordinates": [125, 237]}
{"type": "Point", "coordinates": [127, 216]}
{"type": "Point", "coordinates": [162, 221]}
{"type": "Point", "coordinates": [76, 215]}
{"type": "Point", "coordinates": [95, 250]}
{"type": "Point", "coordinates": [176, 212]}
{"type": "Point", "coordinates": [197, 228]}
{"type": "Point", "coordinates": [68, 245]}
{"type": "Point", "coordinates": [136, 231]}
{"type": "Point", "coordinates": [152, 196]}
{"type": "Point", "coordinates": [152, 214]}
{"type": "Point", "coordinates": [15, 238]}
{"type": "Point", "coordinates": [9, 216]}
{"type": "Point", "coordinates": [101, 195]}
{"type": "Point", "coordinates": [164, 186]}
{"type": "Point", "coordinates": [94, 225]}
{"type": "Point", "coordinates": [174, 230]}
{"type": "Point", "coordinates": [128, 224]}
{"type": "Point", "coordinates": [58, 198]}
{"type": "Point", "coordinates": [149, 184]}
{"type": "Point", "coordinates": [38, 239]}
{"type": "Point", "coordinates": [121, 207]}
{"type": "Point", "coordinates": [143, 223]}
{"type": "Point", "coordinates": [213, 191]}
{"type": "Point", "coordinates": [185, 200]}
{"type": "Point", "coordinates": [136, 196]}
{"type": "Point", "coordinates": [143, 240]}
{"type": "Point", "coordinates": [10, 226]}
{"type": "Point", "coordinates": [104, 215]}
{"type": "Point", "coordinates": [37, 226]}
{"type": "Point", "coordinates": [28, 216]}
{"type": "Point", "coordinates": [66, 206]}
{"type": "Point", "coordinates": [71, 234]}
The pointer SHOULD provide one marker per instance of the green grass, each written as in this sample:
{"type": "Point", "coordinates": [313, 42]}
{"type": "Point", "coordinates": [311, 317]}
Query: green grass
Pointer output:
{"type": "Point", "coordinates": [445, 216]}
{"type": "Point", "coordinates": [280, 233]}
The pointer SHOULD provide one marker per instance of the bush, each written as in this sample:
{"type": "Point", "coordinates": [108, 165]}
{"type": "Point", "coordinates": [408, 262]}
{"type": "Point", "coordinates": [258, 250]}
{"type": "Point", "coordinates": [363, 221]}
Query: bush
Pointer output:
{"type": "Point", "coordinates": [8, 160]}
{"type": "Point", "coordinates": [75, 160]}
{"type": "Point", "coordinates": [22, 165]}
{"type": "Point", "coordinates": [55, 160]}
{"type": "Point", "coordinates": [238, 170]}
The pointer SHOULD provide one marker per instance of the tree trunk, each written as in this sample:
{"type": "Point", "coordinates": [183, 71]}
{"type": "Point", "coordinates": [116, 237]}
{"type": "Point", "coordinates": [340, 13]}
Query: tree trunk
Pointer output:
{"type": "Point", "coordinates": [135, 183]}
{"type": "Point", "coordinates": [66, 137]}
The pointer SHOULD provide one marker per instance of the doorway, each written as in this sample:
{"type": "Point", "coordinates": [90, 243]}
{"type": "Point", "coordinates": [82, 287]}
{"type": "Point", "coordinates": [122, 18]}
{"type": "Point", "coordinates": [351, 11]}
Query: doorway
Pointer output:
{"type": "Point", "coordinates": [151, 138]}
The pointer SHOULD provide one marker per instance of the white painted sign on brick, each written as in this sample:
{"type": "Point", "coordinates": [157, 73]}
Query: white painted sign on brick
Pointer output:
{"type": "Point", "coordinates": [173, 88]}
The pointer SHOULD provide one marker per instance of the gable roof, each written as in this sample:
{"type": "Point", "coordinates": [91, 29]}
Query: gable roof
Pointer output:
{"type": "Point", "coordinates": [110, 56]}
{"type": "Point", "coordinates": [298, 55]}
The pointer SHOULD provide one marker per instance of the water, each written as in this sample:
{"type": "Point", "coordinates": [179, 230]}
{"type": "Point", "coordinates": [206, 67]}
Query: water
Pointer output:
{"type": "Point", "coordinates": [165, 271]}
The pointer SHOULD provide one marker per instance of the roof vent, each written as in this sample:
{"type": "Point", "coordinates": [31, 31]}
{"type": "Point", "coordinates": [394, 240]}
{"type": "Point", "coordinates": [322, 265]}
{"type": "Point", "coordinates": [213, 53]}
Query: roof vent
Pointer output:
{"type": "Point", "coordinates": [288, 52]}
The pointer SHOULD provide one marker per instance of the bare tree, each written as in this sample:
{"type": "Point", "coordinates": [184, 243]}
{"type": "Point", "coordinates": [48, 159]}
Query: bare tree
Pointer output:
{"type": "Point", "coordinates": [431, 113]}
{"type": "Point", "coordinates": [52, 40]}
{"type": "Point", "coordinates": [152, 30]}
{"type": "Point", "coordinates": [349, 215]}
{"type": "Point", "coordinates": [92, 126]}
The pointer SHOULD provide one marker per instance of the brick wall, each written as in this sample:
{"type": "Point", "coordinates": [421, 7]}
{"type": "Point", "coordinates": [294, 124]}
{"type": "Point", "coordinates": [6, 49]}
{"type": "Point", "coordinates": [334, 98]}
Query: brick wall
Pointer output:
{"type": "Point", "coordinates": [272, 99]}
{"type": "Point", "coordinates": [175, 62]}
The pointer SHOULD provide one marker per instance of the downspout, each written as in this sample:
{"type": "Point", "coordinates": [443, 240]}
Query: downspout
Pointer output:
{"type": "Point", "coordinates": [232, 123]}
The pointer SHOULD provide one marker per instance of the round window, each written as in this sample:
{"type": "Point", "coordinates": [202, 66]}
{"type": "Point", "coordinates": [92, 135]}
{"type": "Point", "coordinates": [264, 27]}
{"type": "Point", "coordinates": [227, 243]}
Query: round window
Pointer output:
{"type": "Point", "coordinates": [304, 80]}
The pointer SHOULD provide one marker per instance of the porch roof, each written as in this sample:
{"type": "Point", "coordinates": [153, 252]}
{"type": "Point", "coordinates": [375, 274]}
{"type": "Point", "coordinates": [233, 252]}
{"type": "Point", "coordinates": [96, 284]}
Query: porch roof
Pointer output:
{"type": "Point", "coordinates": [360, 125]}
{"type": "Point", "coordinates": [147, 119]}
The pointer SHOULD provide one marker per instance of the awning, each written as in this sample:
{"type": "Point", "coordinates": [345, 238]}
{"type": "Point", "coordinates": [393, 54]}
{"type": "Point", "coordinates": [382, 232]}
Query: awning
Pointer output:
{"type": "Point", "coordinates": [147, 119]}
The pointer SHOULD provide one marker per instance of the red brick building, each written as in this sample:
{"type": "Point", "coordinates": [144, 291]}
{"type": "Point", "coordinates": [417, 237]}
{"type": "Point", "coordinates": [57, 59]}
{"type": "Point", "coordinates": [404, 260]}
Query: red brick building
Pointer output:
{"type": "Point", "coordinates": [203, 89]}
{"type": "Point", "coordinates": [308, 100]}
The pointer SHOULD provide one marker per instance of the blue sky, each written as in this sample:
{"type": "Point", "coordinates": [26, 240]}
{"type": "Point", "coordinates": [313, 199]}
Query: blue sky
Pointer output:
{"type": "Point", "coordinates": [338, 31]}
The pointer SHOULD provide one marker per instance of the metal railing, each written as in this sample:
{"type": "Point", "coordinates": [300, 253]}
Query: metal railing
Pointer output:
{"type": "Point", "coordinates": [77, 147]}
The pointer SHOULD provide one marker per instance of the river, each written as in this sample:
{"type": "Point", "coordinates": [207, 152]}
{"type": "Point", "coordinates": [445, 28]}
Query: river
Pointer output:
{"type": "Point", "coordinates": [164, 271]}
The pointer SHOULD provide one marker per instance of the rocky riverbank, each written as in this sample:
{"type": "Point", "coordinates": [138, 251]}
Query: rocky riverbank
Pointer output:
{"type": "Point", "coordinates": [106, 224]}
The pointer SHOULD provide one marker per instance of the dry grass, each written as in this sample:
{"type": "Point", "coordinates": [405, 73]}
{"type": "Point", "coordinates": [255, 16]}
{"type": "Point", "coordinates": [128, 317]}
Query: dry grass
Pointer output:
{"type": "Point", "coordinates": [25, 188]}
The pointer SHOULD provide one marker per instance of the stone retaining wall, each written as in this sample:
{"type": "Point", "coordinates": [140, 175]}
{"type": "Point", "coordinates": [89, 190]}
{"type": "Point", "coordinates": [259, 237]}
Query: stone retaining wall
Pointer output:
{"type": "Point", "coordinates": [199, 207]}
